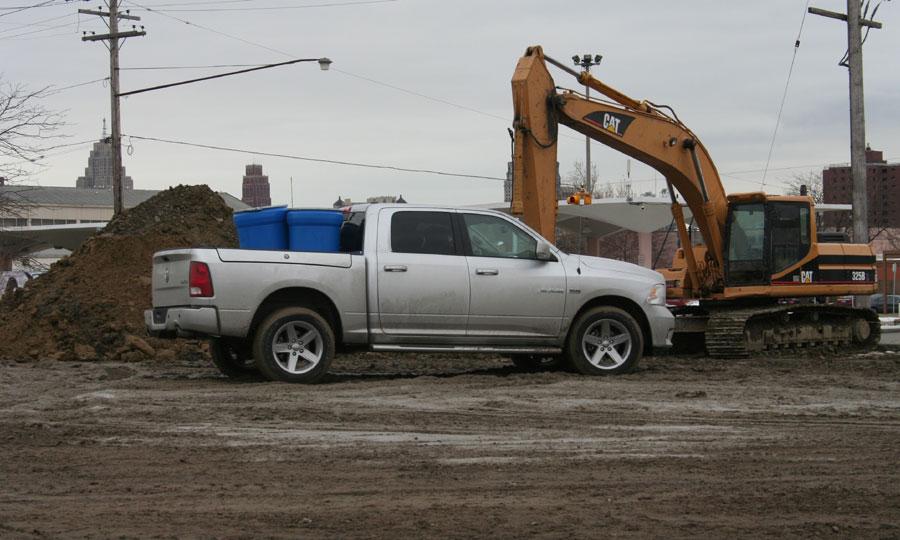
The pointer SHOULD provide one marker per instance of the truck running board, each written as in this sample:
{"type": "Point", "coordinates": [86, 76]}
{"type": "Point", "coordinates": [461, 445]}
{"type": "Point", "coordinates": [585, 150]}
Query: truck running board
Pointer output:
{"type": "Point", "coordinates": [467, 349]}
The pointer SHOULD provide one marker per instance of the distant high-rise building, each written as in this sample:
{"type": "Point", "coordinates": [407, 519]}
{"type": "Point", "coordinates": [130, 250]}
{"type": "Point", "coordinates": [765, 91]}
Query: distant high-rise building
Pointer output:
{"type": "Point", "coordinates": [882, 187]}
{"type": "Point", "coordinates": [256, 187]}
{"type": "Point", "coordinates": [508, 184]}
{"type": "Point", "coordinates": [98, 174]}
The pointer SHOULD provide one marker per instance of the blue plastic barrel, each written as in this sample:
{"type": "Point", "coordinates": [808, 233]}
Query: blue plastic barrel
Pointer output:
{"type": "Point", "coordinates": [263, 228]}
{"type": "Point", "coordinates": [315, 230]}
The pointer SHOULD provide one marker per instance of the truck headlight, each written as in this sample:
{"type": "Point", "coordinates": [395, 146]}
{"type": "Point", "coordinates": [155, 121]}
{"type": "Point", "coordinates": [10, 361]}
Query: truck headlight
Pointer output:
{"type": "Point", "coordinates": [657, 295]}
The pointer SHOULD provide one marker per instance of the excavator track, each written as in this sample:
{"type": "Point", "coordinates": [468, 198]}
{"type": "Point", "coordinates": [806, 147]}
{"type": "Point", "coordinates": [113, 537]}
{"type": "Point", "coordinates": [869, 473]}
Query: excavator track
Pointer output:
{"type": "Point", "coordinates": [742, 332]}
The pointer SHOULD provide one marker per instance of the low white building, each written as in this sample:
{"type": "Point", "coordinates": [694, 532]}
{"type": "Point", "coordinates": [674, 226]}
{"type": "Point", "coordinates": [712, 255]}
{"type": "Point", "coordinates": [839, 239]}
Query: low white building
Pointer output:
{"type": "Point", "coordinates": [48, 217]}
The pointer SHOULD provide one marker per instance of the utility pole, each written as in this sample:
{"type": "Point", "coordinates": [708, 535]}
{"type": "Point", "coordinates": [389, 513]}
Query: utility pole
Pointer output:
{"type": "Point", "coordinates": [113, 38]}
{"type": "Point", "coordinates": [854, 63]}
{"type": "Point", "coordinates": [586, 62]}
{"type": "Point", "coordinates": [857, 126]}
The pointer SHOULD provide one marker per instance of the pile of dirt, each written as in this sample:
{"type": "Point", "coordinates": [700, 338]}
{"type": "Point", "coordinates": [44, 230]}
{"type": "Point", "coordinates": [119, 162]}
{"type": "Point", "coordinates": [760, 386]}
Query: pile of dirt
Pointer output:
{"type": "Point", "coordinates": [90, 305]}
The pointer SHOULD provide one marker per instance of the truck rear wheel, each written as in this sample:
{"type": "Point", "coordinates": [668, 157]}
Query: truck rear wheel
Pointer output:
{"type": "Point", "coordinates": [233, 357]}
{"type": "Point", "coordinates": [294, 344]}
{"type": "Point", "coordinates": [605, 340]}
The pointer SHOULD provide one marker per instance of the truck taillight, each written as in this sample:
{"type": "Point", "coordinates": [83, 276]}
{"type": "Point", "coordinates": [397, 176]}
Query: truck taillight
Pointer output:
{"type": "Point", "coordinates": [200, 282]}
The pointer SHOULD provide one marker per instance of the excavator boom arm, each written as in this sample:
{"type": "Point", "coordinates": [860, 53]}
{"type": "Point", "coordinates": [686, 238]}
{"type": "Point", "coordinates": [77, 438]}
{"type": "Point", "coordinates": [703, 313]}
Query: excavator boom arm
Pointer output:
{"type": "Point", "coordinates": [633, 127]}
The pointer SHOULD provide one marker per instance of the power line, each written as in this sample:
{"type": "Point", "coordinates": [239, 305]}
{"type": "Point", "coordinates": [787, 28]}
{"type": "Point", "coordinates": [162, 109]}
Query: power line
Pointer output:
{"type": "Point", "coordinates": [201, 3]}
{"type": "Point", "coordinates": [17, 9]}
{"type": "Point", "coordinates": [4, 38]}
{"type": "Point", "coordinates": [417, 94]}
{"type": "Point", "coordinates": [273, 8]}
{"type": "Point", "coordinates": [35, 23]}
{"type": "Point", "coordinates": [361, 77]}
{"type": "Point", "coordinates": [784, 95]}
{"type": "Point", "coordinates": [208, 29]}
{"type": "Point", "coordinates": [54, 147]}
{"type": "Point", "coordinates": [53, 90]}
{"type": "Point", "coordinates": [317, 160]}
{"type": "Point", "coordinates": [188, 67]}
{"type": "Point", "coordinates": [30, 38]}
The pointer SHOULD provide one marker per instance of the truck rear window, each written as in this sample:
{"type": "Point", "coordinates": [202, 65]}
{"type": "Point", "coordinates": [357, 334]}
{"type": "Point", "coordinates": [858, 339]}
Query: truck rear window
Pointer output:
{"type": "Point", "coordinates": [353, 232]}
{"type": "Point", "coordinates": [422, 232]}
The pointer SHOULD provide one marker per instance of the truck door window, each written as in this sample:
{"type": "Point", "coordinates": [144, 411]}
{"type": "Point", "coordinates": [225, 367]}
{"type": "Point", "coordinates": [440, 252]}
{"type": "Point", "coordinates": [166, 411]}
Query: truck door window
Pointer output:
{"type": "Point", "coordinates": [491, 236]}
{"type": "Point", "coordinates": [422, 232]}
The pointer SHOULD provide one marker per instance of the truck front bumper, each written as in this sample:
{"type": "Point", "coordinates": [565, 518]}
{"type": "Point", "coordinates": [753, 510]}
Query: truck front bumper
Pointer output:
{"type": "Point", "coordinates": [183, 321]}
{"type": "Point", "coordinates": [662, 325]}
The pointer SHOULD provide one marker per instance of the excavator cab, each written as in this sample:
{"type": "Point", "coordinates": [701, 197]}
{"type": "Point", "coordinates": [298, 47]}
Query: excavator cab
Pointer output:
{"type": "Point", "coordinates": [766, 238]}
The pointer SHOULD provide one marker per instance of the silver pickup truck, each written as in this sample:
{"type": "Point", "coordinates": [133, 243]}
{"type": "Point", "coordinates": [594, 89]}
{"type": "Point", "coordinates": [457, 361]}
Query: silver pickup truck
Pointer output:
{"type": "Point", "coordinates": [411, 278]}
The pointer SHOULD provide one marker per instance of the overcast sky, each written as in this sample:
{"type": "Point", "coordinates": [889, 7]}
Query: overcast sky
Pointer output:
{"type": "Point", "coordinates": [721, 64]}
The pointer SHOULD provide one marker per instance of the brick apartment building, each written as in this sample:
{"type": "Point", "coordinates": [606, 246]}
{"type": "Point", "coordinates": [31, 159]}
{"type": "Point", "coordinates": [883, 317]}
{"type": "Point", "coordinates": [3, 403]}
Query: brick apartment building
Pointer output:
{"type": "Point", "coordinates": [255, 189]}
{"type": "Point", "coordinates": [882, 187]}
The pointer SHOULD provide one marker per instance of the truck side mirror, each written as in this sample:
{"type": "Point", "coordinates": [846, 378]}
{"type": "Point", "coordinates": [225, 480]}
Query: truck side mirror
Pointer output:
{"type": "Point", "coordinates": [543, 253]}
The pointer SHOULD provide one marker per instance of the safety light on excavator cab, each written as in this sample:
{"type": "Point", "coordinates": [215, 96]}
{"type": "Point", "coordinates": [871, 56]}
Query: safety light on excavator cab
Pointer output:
{"type": "Point", "coordinates": [580, 197]}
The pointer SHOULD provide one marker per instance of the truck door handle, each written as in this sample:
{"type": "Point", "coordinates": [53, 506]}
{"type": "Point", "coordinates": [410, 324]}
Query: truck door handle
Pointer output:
{"type": "Point", "coordinates": [394, 268]}
{"type": "Point", "coordinates": [487, 271]}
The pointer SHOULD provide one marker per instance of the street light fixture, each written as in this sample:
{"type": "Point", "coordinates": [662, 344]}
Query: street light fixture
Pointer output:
{"type": "Point", "coordinates": [324, 64]}
{"type": "Point", "coordinates": [586, 62]}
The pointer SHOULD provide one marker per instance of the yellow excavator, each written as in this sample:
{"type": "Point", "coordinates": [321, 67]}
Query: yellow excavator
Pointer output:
{"type": "Point", "coordinates": [760, 256]}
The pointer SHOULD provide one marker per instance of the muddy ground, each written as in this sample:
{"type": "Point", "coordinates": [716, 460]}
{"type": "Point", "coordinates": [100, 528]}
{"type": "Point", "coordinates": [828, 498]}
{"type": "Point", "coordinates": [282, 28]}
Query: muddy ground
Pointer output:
{"type": "Point", "coordinates": [425, 447]}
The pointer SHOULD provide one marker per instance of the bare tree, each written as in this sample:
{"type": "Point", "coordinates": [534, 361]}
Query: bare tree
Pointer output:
{"type": "Point", "coordinates": [813, 182]}
{"type": "Point", "coordinates": [814, 188]}
{"type": "Point", "coordinates": [612, 190]}
{"type": "Point", "coordinates": [27, 131]}
{"type": "Point", "coordinates": [577, 177]}
{"type": "Point", "coordinates": [27, 128]}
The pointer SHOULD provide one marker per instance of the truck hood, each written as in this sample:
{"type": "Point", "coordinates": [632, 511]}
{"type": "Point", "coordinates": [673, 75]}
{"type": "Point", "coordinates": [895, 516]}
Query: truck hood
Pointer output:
{"type": "Point", "coordinates": [618, 267]}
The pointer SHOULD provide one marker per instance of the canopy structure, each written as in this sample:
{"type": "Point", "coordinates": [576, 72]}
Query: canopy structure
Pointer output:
{"type": "Point", "coordinates": [606, 216]}
{"type": "Point", "coordinates": [640, 214]}
{"type": "Point", "coordinates": [643, 215]}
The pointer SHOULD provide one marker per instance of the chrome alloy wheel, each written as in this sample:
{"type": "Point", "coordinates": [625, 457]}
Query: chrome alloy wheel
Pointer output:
{"type": "Point", "coordinates": [606, 344]}
{"type": "Point", "coordinates": [297, 347]}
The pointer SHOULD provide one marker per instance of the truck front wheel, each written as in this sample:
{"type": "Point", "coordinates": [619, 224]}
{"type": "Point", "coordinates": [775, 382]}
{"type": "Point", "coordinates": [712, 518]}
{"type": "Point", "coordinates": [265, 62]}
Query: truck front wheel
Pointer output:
{"type": "Point", "coordinates": [294, 345]}
{"type": "Point", "coordinates": [605, 340]}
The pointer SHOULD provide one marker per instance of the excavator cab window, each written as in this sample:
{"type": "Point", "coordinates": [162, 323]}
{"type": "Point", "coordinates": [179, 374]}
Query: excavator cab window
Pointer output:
{"type": "Point", "coordinates": [789, 233]}
{"type": "Point", "coordinates": [746, 263]}
{"type": "Point", "coordinates": [765, 239]}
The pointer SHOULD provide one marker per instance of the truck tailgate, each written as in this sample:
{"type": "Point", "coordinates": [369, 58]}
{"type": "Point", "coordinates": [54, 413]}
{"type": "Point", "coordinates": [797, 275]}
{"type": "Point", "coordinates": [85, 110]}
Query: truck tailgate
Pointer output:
{"type": "Point", "coordinates": [171, 271]}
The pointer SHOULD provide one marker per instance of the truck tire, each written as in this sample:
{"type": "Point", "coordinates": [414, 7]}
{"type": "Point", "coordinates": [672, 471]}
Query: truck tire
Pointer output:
{"type": "Point", "coordinates": [605, 341]}
{"type": "Point", "coordinates": [294, 345]}
{"type": "Point", "coordinates": [233, 357]}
